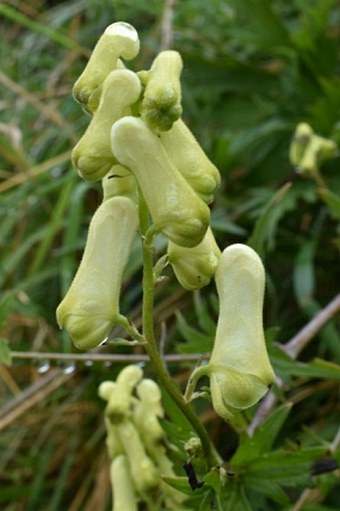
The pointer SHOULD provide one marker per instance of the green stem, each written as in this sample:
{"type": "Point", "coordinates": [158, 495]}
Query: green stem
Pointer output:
{"type": "Point", "coordinates": [195, 376]}
{"type": "Point", "coordinates": [151, 346]}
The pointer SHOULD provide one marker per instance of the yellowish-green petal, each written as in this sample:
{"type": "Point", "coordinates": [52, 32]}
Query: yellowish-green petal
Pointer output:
{"type": "Point", "coordinates": [119, 39]}
{"type": "Point", "coordinates": [91, 304]}
{"type": "Point", "coordinates": [176, 209]}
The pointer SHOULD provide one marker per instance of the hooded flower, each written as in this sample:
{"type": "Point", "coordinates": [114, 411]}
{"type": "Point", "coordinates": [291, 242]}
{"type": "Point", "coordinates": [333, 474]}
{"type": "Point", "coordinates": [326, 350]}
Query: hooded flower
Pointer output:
{"type": "Point", "coordinates": [92, 156]}
{"type": "Point", "coordinates": [161, 105]}
{"type": "Point", "coordinates": [176, 209]}
{"type": "Point", "coordinates": [239, 368]}
{"type": "Point", "coordinates": [91, 304]}
{"type": "Point", "coordinates": [190, 159]}
{"type": "Point", "coordinates": [194, 267]}
{"type": "Point", "coordinates": [119, 40]}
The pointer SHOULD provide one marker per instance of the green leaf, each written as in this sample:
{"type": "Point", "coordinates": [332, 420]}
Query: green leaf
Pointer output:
{"type": "Point", "coordinates": [317, 368]}
{"type": "Point", "coordinates": [213, 479]}
{"type": "Point", "coordinates": [262, 440]}
{"type": "Point", "coordinates": [283, 467]}
{"type": "Point", "coordinates": [221, 222]}
{"type": "Point", "coordinates": [267, 221]}
{"type": "Point", "coordinates": [41, 28]}
{"type": "Point", "coordinates": [238, 500]}
{"type": "Point", "coordinates": [269, 489]}
{"type": "Point", "coordinates": [206, 501]}
{"type": "Point", "coordinates": [181, 484]}
{"type": "Point", "coordinates": [5, 352]}
{"type": "Point", "coordinates": [332, 201]}
{"type": "Point", "coordinates": [196, 341]}
{"type": "Point", "coordinates": [206, 322]}
{"type": "Point", "coordinates": [6, 302]}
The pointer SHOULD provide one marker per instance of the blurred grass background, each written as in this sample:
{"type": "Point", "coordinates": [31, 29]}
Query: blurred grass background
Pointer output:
{"type": "Point", "coordinates": [252, 71]}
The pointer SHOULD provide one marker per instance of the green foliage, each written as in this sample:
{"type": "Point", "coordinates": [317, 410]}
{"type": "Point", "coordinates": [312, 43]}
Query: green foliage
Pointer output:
{"type": "Point", "coordinates": [252, 71]}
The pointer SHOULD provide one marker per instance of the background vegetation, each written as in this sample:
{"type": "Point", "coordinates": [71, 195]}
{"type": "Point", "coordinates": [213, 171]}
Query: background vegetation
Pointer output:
{"type": "Point", "coordinates": [252, 71]}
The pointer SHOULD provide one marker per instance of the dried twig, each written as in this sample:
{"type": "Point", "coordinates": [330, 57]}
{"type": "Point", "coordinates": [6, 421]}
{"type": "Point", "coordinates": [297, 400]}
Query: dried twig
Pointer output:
{"type": "Point", "coordinates": [22, 402]}
{"type": "Point", "coordinates": [293, 349]}
{"type": "Point", "coordinates": [104, 357]}
{"type": "Point", "coordinates": [300, 340]}
{"type": "Point", "coordinates": [167, 28]}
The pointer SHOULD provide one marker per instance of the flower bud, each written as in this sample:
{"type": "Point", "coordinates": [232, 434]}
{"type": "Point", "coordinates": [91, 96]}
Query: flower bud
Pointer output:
{"type": "Point", "coordinates": [194, 267]}
{"type": "Point", "coordinates": [89, 308]}
{"type": "Point", "coordinates": [175, 208]}
{"type": "Point", "coordinates": [161, 105]}
{"type": "Point", "coordinates": [239, 368]}
{"type": "Point", "coordinates": [308, 150]}
{"type": "Point", "coordinates": [105, 389]}
{"type": "Point", "coordinates": [92, 156]}
{"type": "Point", "coordinates": [301, 140]}
{"type": "Point", "coordinates": [118, 394]}
{"type": "Point", "coordinates": [144, 473]}
{"type": "Point", "coordinates": [124, 497]}
{"type": "Point", "coordinates": [119, 40]}
{"type": "Point", "coordinates": [146, 412]}
{"type": "Point", "coordinates": [190, 159]}
{"type": "Point", "coordinates": [113, 443]}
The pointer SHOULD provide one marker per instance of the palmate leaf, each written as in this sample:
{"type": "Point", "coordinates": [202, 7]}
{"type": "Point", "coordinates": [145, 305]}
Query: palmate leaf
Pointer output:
{"type": "Point", "coordinates": [283, 467]}
{"type": "Point", "coordinates": [262, 440]}
{"type": "Point", "coordinates": [271, 490]}
{"type": "Point", "coordinates": [317, 368]}
{"type": "Point", "coordinates": [238, 500]}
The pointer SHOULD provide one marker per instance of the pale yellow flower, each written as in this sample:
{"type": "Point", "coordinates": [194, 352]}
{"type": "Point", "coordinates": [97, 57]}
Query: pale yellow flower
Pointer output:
{"type": "Point", "coordinates": [176, 209]}
{"type": "Point", "coordinates": [190, 159]}
{"type": "Point", "coordinates": [92, 156]}
{"type": "Point", "coordinates": [239, 368]}
{"type": "Point", "coordinates": [118, 40]}
{"type": "Point", "coordinates": [161, 105]}
{"type": "Point", "coordinates": [91, 304]}
{"type": "Point", "coordinates": [194, 267]}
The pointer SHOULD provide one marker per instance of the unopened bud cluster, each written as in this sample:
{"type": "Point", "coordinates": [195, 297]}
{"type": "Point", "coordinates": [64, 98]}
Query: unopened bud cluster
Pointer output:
{"type": "Point", "coordinates": [136, 442]}
{"type": "Point", "coordinates": [308, 150]}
